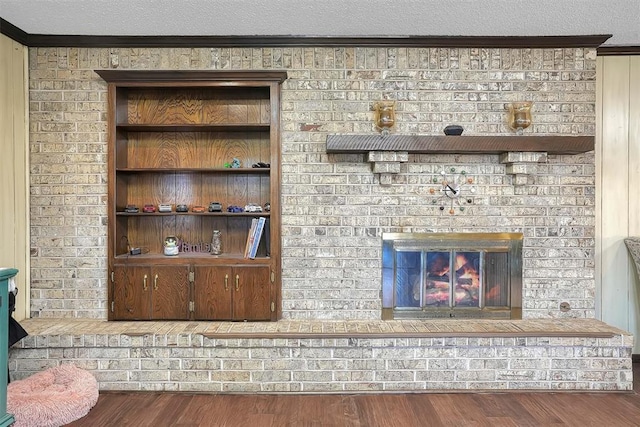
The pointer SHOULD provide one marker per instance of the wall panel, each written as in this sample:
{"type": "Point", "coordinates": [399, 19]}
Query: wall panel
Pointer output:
{"type": "Point", "coordinates": [617, 165]}
{"type": "Point", "coordinates": [14, 188]}
{"type": "Point", "coordinates": [634, 192]}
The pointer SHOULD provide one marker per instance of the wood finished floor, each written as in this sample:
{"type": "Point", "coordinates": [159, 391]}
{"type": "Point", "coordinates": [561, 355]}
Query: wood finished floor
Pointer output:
{"type": "Point", "coordinates": [141, 409]}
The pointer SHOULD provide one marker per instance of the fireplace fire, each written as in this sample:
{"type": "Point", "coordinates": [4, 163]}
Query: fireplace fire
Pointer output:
{"type": "Point", "coordinates": [452, 275]}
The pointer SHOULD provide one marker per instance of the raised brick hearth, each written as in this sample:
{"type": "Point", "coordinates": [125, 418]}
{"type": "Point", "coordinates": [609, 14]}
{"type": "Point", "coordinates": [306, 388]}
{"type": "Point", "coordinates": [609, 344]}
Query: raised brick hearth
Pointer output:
{"type": "Point", "coordinates": [334, 356]}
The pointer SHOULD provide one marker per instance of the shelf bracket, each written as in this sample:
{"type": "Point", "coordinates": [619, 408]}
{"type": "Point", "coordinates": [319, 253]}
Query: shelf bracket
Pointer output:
{"type": "Point", "coordinates": [521, 164]}
{"type": "Point", "coordinates": [387, 164]}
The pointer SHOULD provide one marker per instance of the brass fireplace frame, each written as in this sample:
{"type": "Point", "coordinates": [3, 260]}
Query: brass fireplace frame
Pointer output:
{"type": "Point", "coordinates": [511, 243]}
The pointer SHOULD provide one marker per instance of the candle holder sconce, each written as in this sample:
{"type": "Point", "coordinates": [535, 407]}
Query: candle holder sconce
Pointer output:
{"type": "Point", "coordinates": [520, 116]}
{"type": "Point", "coordinates": [385, 117]}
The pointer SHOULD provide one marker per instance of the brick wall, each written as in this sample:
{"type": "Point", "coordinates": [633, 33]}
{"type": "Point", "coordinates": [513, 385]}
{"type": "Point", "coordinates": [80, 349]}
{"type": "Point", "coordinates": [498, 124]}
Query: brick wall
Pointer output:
{"type": "Point", "coordinates": [334, 208]}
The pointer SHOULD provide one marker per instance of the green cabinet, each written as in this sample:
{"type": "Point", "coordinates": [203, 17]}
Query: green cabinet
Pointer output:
{"type": "Point", "coordinates": [5, 275]}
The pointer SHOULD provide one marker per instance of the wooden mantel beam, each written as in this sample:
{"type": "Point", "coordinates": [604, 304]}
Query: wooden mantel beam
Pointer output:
{"type": "Point", "coordinates": [429, 144]}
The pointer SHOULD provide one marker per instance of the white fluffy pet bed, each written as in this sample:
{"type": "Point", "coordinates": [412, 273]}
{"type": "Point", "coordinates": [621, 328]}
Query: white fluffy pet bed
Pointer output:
{"type": "Point", "coordinates": [53, 397]}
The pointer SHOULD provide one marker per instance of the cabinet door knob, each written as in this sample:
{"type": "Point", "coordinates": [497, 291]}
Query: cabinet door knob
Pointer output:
{"type": "Point", "coordinates": [237, 281]}
{"type": "Point", "coordinates": [144, 283]}
{"type": "Point", "coordinates": [226, 282]}
{"type": "Point", "coordinates": [155, 283]}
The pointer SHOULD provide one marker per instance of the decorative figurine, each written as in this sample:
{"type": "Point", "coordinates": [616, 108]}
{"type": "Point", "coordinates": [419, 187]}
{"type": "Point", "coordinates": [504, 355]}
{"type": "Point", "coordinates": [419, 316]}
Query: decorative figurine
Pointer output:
{"type": "Point", "coordinates": [252, 207]}
{"type": "Point", "coordinates": [164, 207]}
{"type": "Point", "coordinates": [216, 243]}
{"type": "Point", "coordinates": [171, 246]}
{"type": "Point", "coordinates": [235, 209]}
{"type": "Point", "coordinates": [453, 130]}
{"type": "Point", "coordinates": [215, 207]}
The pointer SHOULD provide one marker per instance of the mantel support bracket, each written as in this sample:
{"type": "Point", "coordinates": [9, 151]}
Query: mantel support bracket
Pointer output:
{"type": "Point", "coordinates": [521, 164]}
{"type": "Point", "coordinates": [387, 164]}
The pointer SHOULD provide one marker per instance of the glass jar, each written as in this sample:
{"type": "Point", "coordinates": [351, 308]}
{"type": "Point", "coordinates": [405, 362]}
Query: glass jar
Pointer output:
{"type": "Point", "coordinates": [216, 243]}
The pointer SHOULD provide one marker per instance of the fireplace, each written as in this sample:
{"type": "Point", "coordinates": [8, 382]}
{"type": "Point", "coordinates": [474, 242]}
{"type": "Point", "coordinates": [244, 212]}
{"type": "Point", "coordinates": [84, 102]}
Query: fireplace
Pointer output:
{"type": "Point", "coordinates": [451, 275]}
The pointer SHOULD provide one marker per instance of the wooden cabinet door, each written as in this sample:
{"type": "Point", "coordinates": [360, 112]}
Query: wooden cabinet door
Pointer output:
{"type": "Point", "coordinates": [251, 293]}
{"type": "Point", "coordinates": [170, 292]}
{"type": "Point", "coordinates": [212, 293]}
{"type": "Point", "coordinates": [131, 293]}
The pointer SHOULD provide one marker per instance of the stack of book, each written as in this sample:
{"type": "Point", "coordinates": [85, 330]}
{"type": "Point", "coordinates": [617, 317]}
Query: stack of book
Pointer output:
{"type": "Point", "coordinates": [254, 236]}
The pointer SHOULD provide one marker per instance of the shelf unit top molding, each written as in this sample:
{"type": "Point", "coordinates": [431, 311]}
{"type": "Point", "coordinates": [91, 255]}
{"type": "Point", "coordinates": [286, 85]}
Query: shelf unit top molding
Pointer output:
{"type": "Point", "coordinates": [427, 144]}
{"type": "Point", "coordinates": [190, 76]}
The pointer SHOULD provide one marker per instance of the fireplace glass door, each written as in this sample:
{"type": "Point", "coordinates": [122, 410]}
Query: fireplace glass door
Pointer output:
{"type": "Point", "coordinates": [452, 275]}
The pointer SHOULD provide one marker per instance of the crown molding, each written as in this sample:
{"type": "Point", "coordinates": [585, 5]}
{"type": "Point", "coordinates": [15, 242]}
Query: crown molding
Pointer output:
{"type": "Point", "coordinates": [43, 40]}
{"type": "Point", "coordinates": [13, 32]}
{"type": "Point", "coordinates": [618, 50]}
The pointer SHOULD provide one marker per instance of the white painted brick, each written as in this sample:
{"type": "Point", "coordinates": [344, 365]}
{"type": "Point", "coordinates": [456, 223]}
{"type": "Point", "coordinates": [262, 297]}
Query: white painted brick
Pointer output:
{"type": "Point", "coordinates": [389, 364]}
{"type": "Point", "coordinates": [68, 164]}
{"type": "Point", "coordinates": [387, 156]}
{"type": "Point", "coordinates": [386, 167]}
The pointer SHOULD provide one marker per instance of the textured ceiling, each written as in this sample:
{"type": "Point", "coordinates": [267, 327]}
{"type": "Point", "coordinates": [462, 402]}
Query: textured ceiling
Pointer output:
{"type": "Point", "coordinates": [345, 18]}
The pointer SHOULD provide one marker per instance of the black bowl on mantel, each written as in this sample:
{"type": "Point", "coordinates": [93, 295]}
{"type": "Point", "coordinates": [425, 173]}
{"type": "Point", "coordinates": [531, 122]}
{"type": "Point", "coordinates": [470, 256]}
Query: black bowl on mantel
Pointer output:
{"type": "Point", "coordinates": [453, 130]}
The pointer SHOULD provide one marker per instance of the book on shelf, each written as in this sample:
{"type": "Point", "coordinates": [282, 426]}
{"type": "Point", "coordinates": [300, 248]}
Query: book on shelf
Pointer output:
{"type": "Point", "coordinates": [267, 238]}
{"type": "Point", "coordinates": [250, 236]}
{"type": "Point", "coordinates": [256, 237]}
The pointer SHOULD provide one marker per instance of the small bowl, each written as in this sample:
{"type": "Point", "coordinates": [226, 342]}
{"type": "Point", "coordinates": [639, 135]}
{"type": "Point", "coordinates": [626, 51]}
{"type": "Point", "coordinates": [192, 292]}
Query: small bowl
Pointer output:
{"type": "Point", "coordinates": [453, 130]}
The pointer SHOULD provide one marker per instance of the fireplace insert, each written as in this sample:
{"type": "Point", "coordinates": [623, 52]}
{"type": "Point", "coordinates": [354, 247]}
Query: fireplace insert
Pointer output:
{"type": "Point", "coordinates": [451, 275]}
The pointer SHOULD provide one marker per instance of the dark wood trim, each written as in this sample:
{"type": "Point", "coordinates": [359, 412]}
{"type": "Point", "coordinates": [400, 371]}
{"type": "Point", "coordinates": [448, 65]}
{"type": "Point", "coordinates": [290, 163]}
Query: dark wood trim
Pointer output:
{"type": "Point", "coordinates": [13, 32]}
{"type": "Point", "coordinates": [38, 40]}
{"type": "Point", "coordinates": [635, 358]}
{"type": "Point", "coordinates": [172, 76]}
{"type": "Point", "coordinates": [618, 50]}
{"type": "Point", "coordinates": [44, 40]}
{"type": "Point", "coordinates": [427, 144]}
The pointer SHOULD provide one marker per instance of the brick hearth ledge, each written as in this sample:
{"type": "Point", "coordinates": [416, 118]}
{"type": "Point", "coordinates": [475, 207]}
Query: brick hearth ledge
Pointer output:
{"type": "Point", "coordinates": [333, 356]}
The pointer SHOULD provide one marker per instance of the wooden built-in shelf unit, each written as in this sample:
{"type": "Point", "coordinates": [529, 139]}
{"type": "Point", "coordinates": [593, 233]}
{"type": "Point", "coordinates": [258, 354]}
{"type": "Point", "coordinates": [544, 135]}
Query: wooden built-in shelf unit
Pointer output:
{"type": "Point", "coordinates": [170, 135]}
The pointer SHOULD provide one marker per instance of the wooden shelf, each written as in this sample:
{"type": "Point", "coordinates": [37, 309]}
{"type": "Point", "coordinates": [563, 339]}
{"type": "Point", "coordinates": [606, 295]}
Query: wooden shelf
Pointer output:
{"type": "Point", "coordinates": [173, 213]}
{"type": "Point", "coordinates": [167, 259]}
{"type": "Point", "coordinates": [191, 78]}
{"type": "Point", "coordinates": [428, 144]}
{"type": "Point", "coordinates": [264, 171]}
{"type": "Point", "coordinates": [223, 127]}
